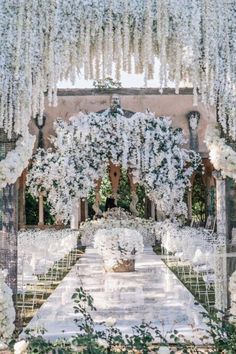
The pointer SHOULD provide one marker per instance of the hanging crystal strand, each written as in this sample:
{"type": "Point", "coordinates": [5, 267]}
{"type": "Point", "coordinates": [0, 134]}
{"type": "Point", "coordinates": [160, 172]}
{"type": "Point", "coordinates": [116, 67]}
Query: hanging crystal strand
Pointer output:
{"type": "Point", "coordinates": [162, 28]}
{"type": "Point", "coordinates": [110, 39]}
{"type": "Point", "coordinates": [195, 38]}
{"type": "Point", "coordinates": [91, 65]}
{"type": "Point", "coordinates": [147, 40]}
{"type": "Point", "coordinates": [126, 38]}
{"type": "Point", "coordinates": [81, 43]}
{"type": "Point", "coordinates": [2, 110]}
{"type": "Point", "coordinates": [6, 108]}
{"type": "Point", "coordinates": [136, 48]}
{"type": "Point", "coordinates": [178, 67]}
{"type": "Point", "coordinates": [98, 54]}
{"type": "Point", "coordinates": [19, 39]}
{"type": "Point", "coordinates": [105, 52]}
{"type": "Point", "coordinates": [10, 113]}
{"type": "Point", "coordinates": [87, 50]}
{"type": "Point", "coordinates": [118, 50]}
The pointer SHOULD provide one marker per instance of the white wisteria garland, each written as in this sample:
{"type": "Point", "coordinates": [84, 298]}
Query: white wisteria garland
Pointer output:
{"type": "Point", "coordinates": [222, 156]}
{"type": "Point", "coordinates": [144, 143]}
{"type": "Point", "coordinates": [7, 311]}
{"type": "Point", "coordinates": [45, 41]}
{"type": "Point", "coordinates": [16, 160]}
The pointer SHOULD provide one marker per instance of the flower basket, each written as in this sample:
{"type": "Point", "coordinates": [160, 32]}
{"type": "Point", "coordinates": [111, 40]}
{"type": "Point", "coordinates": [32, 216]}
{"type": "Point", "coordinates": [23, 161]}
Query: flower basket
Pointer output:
{"type": "Point", "coordinates": [124, 265]}
{"type": "Point", "coordinates": [118, 248]}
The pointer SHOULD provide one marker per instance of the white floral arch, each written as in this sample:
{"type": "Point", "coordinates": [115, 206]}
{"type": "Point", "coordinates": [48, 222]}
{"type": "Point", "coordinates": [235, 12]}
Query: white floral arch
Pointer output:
{"type": "Point", "coordinates": [84, 147]}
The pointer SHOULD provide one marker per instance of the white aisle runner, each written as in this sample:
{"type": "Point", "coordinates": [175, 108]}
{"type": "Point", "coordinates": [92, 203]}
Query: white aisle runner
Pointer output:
{"type": "Point", "coordinates": [151, 293]}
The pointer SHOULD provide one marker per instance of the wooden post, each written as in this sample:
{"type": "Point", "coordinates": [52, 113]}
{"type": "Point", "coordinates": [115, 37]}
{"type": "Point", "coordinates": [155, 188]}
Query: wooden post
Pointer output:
{"type": "Point", "coordinates": [41, 210]}
{"type": "Point", "coordinates": [221, 215]}
{"type": "Point", "coordinates": [189, 205]}
{"type": "Point", "coordinates": [114, 174]}
{"type": "Point", "coordinates": [153, 210]}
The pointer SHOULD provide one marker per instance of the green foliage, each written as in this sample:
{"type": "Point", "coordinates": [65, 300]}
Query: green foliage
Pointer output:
{"type": "Point", "coordinates": [199, 199]}
{"type": "Point", "coordinates": [109, 340]}
{"type": "Point", "coordinates": [32, 211]}
{"type": "Point", "coordinates": [124, 195]}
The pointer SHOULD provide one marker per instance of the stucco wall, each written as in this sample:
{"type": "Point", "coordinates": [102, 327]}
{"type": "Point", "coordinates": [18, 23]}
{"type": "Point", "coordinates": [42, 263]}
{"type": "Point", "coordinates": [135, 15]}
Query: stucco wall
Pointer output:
{"type": "Point", "coordinates": [71, 102]}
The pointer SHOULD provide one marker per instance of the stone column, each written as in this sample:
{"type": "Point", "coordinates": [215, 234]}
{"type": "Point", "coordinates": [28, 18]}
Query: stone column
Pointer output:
{"type": "Point", "coordinates": [221, 215]}
{"type": "Point", "coordinates": [76, 215]}
{"type": "Point", "coordinates": [220, 248]}
{"type": "Point", "coordinates": [8, 235]}
{"type": "Point", "coordinates": [21, 199]}
{"type": "Point", "coordinates": [41, 209]}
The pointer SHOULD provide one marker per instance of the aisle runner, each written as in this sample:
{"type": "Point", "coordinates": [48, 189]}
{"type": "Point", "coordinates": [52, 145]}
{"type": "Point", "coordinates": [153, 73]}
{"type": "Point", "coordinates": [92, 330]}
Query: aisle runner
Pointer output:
{"type": "Point", "coordinates": [152, 293]}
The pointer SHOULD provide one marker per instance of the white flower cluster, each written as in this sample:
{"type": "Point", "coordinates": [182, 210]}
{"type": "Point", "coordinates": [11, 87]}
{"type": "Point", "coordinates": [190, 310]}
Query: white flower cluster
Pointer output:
{"type": "Point", "coordinates": [7, 311]}
{"type": "Point", "coordinates": [116, 218]}
{"type": "Point", "coordinates": [118, 244]}
{"type": "Point", "coordinates": [16, 161]}
{"type": "Point", "coordinates": [144, 143]}
{"type": "Point", "coordinates": [222, 156]}
{"type": "Point", "coordinates": [45, 41]}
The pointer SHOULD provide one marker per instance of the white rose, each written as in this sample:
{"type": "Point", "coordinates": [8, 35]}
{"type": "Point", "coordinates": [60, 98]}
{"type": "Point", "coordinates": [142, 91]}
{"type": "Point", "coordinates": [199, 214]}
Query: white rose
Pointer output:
{"type": "Point", "coordinates": [102, 343]}
{"type": "Point", "coordinates": [110, 321]}
{"type": "Point", "coordinates": [20, 347]}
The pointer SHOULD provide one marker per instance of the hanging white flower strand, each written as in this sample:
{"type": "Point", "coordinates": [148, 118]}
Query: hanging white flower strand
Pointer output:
{"type": "Point", "coordinates": [44, 41]}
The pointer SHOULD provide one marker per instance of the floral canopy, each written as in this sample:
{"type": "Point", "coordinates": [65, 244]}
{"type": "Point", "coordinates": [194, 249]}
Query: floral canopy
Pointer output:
{"type": "Point", "coordinates": [145, 144]}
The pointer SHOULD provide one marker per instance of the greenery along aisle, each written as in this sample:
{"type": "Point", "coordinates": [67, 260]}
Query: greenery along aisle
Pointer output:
{"type": "Point", "coordinates": [109, 340]}
{"type": "Point", "coordinates": [83, 148]}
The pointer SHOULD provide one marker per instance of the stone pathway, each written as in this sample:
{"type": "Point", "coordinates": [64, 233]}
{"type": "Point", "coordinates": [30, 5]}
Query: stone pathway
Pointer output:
{"type": "Point", "coordinates": [151, 293]}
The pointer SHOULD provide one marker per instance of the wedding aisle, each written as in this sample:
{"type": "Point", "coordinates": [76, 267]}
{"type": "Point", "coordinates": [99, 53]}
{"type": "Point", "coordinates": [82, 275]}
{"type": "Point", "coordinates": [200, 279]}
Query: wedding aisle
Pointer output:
{"type": "Point", "coordinates": [151, 293]}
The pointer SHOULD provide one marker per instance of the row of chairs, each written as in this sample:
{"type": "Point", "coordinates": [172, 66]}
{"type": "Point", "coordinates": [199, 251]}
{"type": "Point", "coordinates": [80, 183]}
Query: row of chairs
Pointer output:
{"type": "Point", "coordinates": [34, 290]}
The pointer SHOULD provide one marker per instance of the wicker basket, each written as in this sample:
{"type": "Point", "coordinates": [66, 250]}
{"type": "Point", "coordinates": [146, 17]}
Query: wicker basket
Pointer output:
{"type": "Point", "coordinates": [121, 267]}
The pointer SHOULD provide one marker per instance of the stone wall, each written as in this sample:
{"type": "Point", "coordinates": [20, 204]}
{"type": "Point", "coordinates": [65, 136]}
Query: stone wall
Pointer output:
{"type": "Point", "coordinates": [72, 101]}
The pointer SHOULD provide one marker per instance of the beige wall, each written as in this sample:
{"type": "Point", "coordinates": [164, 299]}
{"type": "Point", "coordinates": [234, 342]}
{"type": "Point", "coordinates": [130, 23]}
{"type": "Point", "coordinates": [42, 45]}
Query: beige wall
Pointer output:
{"type": "Point", "coordinates": [71, 102]}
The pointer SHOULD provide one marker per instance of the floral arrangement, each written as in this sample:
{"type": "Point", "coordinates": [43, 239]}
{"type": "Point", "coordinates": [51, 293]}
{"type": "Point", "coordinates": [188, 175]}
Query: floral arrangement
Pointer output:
{"type": "Point", "coordinates": [118, 244]}
{"type": "Point", "coordinates": [16, 160]}
{"type": "Point", "coordinates": [7, 311]}
{"type": "Point", "coordinates": [117, 218]}
{"type": "Point", "coordinates": [45, 41]}
{"type": "Point", "coordinates": [222, 156]}
{"type": "Point", "coordinates": [144, 143]}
